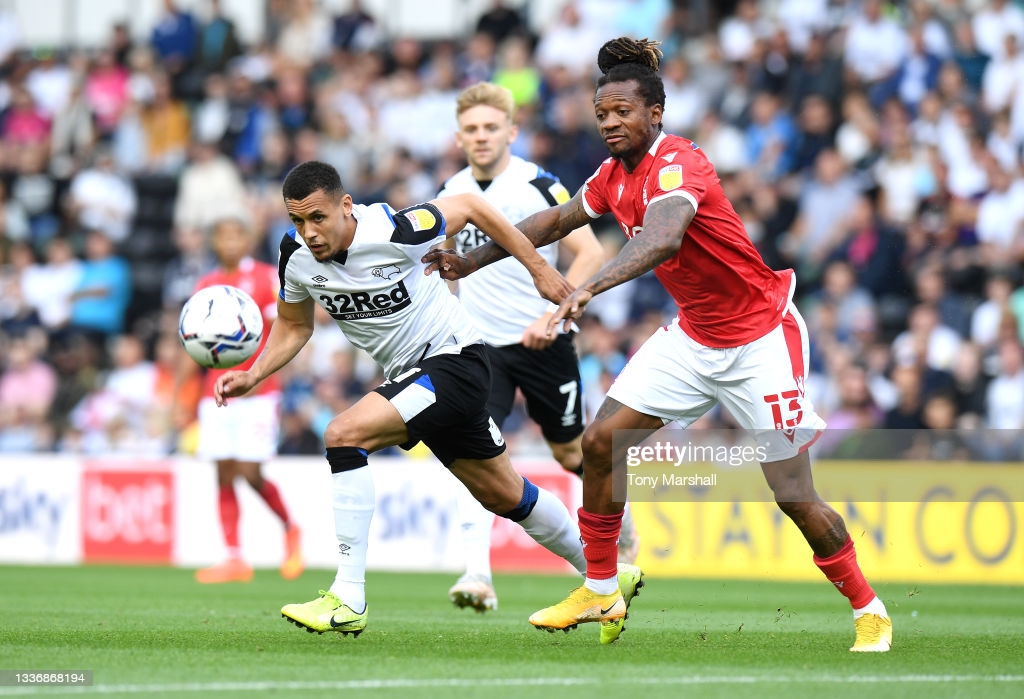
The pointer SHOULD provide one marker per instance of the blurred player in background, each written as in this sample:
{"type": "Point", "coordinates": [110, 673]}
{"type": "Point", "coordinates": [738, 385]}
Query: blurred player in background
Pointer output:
{"type": "Point", "coordinates": [738, 339]}
{"type": "Point", "coordinates": [522, 354]}
{"type": "Point", "coordinates": [241, 436]}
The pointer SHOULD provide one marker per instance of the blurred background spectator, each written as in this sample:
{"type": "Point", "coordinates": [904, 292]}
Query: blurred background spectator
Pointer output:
{"type": "Point", "coordinates": [875, 147]}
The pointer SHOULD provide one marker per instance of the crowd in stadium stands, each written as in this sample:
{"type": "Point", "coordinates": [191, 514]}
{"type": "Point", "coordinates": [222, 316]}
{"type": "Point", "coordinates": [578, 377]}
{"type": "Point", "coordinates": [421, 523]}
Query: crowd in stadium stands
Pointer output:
{"type": "Point", "coordinates": [874, 147]}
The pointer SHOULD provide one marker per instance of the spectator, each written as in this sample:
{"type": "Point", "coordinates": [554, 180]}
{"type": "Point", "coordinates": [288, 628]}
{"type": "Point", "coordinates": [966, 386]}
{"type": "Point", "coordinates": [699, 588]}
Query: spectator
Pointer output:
{"type": "Point", "coordinates": [1004, 401]}
{"type": "Point", "coordinates": [50, 287]}
{"type": "Point", "coordinates": [570, 43]}
{"type": "Point", "coordinates": [739, 33]}
{"type": "Point", "coordinates": [100, 198]}
{"type": "Point", "coordinates": [966, 55]}
{"type": "Point", "coordinates": [685, 102]}
{"type": "Point", "coordinates": [907, 414]}
{"type": "Point", "coordinates": [987, 316]}
{"type": "Point", "coordinates": [174, 38]}
{"type": "Point", "coordinates": [72, 135]}
{"type": "Point", "coordinates": [817, 72]}
{"type": "Point", "coordinates": [210, 189]}
{"type": "Point", "coordinates": [905, 177]}
{"type": "Point", "coordinates": [106, 90]}
{"type": "Point", "coordinates": [104, 290]}
{"type": "Point", "coordinates": [770, 136]}
{"type": "Point", "coordinates": [193, 260]}
{"type": "Point", "coordinates": [356, 29]}
{"type": "Point", "coordinates": [1000, 223]}
{"type": "Point", "coordinates": [927, 342]}
{"type": "Point", "coordinates": [27, 389]}
{"type": "Point", "coordinates": [874, 45]}
{"type": "Point", "coordinates": [516, 72]}
{"type": "Point", "coordinates": [306, 36]}
{"type": "Point", "coordinates": [1003, 77]}
{"type": "Point", "coordinates": [13, 221]}
{"type": "Point", "coordinates": [817, 225]}
{"type": "Point", "coordinates": [992, 23]}
{"type": "Point", "coordinates": [500, 22]}
{"type": "Point", "coordinates": [166, 125]}
{"type": "Point", "coordinates": [803, 20]}
{"type": "Point", "coordinates": [217, 42]}
{"type": "Point", "coordinates": [917, 74]}
{"type": "Point", "coordinates": [969, 386]}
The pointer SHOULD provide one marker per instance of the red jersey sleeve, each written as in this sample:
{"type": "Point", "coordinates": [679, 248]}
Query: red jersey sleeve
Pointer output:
{"type": "Point", "coordinates": [595, 198]}
{"type": "Point", "coordinates": [680, 169]}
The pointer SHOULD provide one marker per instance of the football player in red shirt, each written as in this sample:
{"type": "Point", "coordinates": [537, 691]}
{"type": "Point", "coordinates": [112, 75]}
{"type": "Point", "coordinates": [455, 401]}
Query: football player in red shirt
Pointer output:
{"type": "Point", "coordinates": [738, 339]}
{"type": "Point", "coordinates": [242, 435]}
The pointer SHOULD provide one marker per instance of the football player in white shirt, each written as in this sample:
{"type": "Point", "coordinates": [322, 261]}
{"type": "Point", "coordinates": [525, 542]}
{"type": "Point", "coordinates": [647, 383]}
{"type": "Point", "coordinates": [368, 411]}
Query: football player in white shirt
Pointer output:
{"type": "Point", "coordinates": [362, 265]}
{"type": "Point", "coordinates": [522, 356]}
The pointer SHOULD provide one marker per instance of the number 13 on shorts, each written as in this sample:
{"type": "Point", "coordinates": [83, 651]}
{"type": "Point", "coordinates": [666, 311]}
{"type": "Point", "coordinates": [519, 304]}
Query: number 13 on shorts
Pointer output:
{"type": "Point", "coordinates": [786, 409]}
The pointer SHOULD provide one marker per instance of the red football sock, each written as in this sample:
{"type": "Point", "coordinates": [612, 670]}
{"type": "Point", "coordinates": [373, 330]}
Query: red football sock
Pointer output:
{"type": "Point", "coordinates": [228, 502]}
{"type": "Point", "coordinates": [842, 571]}
{"type": "Point", "coordinates": [272, 496]}
{"type": "Point", "coordinates": [600, 534]}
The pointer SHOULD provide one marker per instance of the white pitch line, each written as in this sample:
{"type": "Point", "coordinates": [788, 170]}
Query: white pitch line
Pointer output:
{"type": "Point", "coordinates": [269, 686]}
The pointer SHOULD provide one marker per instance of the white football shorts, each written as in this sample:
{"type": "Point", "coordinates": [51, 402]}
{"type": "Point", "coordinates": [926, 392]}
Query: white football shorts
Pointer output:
{"type": "Point", "coordinates": [246, 429]}
{"type": "Point", "coordinates": [761, 384]}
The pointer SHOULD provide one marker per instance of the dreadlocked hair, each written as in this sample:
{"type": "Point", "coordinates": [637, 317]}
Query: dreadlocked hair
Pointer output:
{"type": "Point", "coordinates": [624, 59]}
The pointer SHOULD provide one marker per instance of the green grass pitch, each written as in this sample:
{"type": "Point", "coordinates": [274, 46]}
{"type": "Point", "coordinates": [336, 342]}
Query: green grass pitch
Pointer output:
{"type": "Point", "coordinates": [155, 632]}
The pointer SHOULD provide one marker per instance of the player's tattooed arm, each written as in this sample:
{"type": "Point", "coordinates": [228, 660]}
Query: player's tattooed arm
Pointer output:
{"type": "Point", "coordinates": [662, 234]}
{"type": "Point", "coordinates": [542, 228]}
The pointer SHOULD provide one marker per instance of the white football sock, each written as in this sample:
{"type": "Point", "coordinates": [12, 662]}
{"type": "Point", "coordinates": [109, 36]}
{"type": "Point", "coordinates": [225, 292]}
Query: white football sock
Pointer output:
{"type": "Point", "coordinates": [602, 587]}
{"type": "Point", "coordinates": [354, 499]}
{"type": "Point", "coordinates": [875, 606]}
{"type": "Point", "coordinates": [551, 526]}
{"type": "Point", "coordinates": [475, 524]}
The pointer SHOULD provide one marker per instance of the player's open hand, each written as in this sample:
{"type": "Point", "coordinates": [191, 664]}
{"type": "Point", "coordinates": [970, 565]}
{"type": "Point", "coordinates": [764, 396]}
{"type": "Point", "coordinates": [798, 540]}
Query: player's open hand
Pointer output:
{"type": "Point", "coordinates": [232, 384]}
{"type": "Point", "coordinates": [451, 265]}
{"type": "Point", "coordinates": [550, 283]}
{"type": "Point", "coordinates": [570, 310]}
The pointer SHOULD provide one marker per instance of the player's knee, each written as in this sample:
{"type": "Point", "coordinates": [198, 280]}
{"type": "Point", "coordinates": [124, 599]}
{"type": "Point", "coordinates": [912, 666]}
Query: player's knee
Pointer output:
{"type": "Point", "coordinates": [341, 432]}
{"type": "Point", "coordinates": [597, 447]}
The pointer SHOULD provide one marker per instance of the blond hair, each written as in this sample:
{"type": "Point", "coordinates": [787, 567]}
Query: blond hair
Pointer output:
{"type": "Point", "coordinates": [487, 94]}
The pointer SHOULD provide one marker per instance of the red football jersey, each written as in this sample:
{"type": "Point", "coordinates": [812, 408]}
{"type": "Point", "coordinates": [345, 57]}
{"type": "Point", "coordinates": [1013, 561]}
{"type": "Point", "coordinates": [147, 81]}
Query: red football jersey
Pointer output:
{"type": "Point", "coordinates": [259, 280]}
{"type": "Point", "coordinates": [726, 295]}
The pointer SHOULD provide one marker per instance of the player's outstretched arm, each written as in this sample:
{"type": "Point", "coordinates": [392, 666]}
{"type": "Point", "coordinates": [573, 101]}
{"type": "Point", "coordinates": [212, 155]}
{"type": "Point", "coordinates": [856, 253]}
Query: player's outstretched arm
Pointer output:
{"type": "Point", "coordinates": [289, 333]}
{"type": "Point", "coordinates": [542, 228]}
{"type": "Point", "coordinates": [472, 208]}
{"type": "Point", "coordinates": [664, 225]}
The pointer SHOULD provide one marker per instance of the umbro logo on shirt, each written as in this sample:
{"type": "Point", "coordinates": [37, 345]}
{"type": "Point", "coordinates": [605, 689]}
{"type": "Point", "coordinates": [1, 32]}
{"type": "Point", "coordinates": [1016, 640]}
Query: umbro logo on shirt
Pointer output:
{"type": "Point", "coordinates": [320, 280]}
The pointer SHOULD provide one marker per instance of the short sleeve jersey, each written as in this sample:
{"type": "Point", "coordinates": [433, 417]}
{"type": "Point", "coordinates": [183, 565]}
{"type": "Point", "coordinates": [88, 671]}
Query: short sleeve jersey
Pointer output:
{"type": "Point", "coordinates": [376, 290]}
{"type": "Point", "coordinates": [726, 295]}
{"type": "Point", "coordinates": [259, 280]}
{"type": "Point", "coordinates": [520, 190]}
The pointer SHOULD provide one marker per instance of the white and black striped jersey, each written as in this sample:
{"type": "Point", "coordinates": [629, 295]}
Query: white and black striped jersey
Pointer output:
{"type": "Point", "coordinates": [376, 290]}
{"type": "Point", "coordinates": [522, 189]}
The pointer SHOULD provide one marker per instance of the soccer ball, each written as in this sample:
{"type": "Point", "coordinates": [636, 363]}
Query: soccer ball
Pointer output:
{"type": "Point", "coordinates": [220, 326]}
